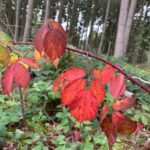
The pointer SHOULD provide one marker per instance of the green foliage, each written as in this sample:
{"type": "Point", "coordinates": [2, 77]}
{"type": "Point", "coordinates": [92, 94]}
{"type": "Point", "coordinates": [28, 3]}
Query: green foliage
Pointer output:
{"type": "Point", "coordinates": [48, 124]}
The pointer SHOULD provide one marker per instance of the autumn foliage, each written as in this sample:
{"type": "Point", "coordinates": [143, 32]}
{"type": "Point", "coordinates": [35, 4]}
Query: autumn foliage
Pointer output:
{"type": "Point", "coordinates": [83, 97]}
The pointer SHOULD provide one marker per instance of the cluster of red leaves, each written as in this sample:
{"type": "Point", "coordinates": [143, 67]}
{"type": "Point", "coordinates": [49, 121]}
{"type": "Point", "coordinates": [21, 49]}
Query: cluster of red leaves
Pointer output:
{"type": "Point", "coordinates": [84, 103]}
{"type": "Point", "coordinates": [18, 73]}
{"type": "Point", "coordinates": [51, 40]}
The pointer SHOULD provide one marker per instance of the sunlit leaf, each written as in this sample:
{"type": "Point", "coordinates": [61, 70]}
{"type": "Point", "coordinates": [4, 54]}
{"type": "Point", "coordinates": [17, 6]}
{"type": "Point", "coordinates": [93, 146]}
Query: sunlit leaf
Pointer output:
{"type": "Point", "coordinates": [104, 75]}
{"type": "Point", "coordinates": [74, 73]}
{"type": "Point", "coordinates": [30, 62]}
{"type": "Point", "coordinates": [84, 106]}
{"type": "Point", "coordinates": [13, 57]}
{"type": "Point", "coordinates": [37, 55]}
{"type": "Point", "coordinates": [69, 92]}
{"type": "Point", "coordinates": [97, 90]}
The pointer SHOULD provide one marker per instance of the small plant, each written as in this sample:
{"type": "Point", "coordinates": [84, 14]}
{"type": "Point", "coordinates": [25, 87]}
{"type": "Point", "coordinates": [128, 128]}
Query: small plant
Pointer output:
{"type": "Point", "coordinates": [99, 94]}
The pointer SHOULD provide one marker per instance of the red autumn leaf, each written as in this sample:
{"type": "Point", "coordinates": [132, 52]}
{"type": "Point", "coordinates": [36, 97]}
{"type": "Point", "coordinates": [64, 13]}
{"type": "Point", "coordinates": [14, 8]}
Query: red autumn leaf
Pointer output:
{"type": "Point", "coordinates": [109, 131]}
{"type": "Point", "coordinates": [84, 106]}
{"type": "Point", "coordinates": [104, 75]}
{"type": "Point", "coordinates": [67, 77]}
{"type": "Point", "coordinates": [107, 74]}
{"type": "Point", "coordinates": [74, 73]}
{"type": "Point", "coordinates": [123, 124]}
{"type": "Point", "coordinates": [21, 75]}
{"type": "Point", "coordinates": [51, 39]}
{"type": "Point", "coordinates": [7, 80]}
{"type": "Point", "coordinates": [15, 72]}
{"type": "Point", "coordinates": [123, 104]}
{"type": "Point", "coordinates": [117, 86]}
{"type": "Point", "coordinates": [40, 36]}
{"type": "Point", "coordinates": [30, 62]}
{"type": "Point", "coordinates": [103, 113]}
{"type": "Point", "coordinates": [97, 73]}
{"type": "Point", "coordinates": [76, 135]}
{"type": "Point", "coordinates": [58, 82]}
{"type": "Point", "coordinates": [97, 90]}
{"type": "Point", "coordinates": [139, 125]}
{"type": "Point", "coordinates": [54, 45]}
{"type": "Point", "coordinates": [70, 90]}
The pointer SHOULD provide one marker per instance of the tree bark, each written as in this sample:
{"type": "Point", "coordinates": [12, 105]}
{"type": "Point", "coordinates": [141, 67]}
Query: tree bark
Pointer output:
{"type": "Point", "coordinates": [17, 20]}
{"type": "Point", "coordinates": [129, 24]}
{"type": "Point", "coordinates": [28, 20]}
{"type": "Point", "coordinates": [119, 44]}
{"type": "Point", "coordinates": [47, 12]}
{"type": "Point", "coordinates": [60, 11]}
{"type": "Point", "coordinates": [104, 29]}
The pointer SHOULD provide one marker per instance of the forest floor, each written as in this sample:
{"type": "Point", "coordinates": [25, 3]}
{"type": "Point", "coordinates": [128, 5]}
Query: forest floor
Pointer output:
{"type": "Point", "coordinates": [49, 126]}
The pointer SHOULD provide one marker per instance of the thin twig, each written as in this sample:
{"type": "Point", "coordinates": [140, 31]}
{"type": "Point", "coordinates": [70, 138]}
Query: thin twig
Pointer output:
{"type": "Point", "coordinates": [103, 60]}
{"type": "Point", "coordinates": [114, 66]}
{"type": "Point", "coordinates": [22, 104]}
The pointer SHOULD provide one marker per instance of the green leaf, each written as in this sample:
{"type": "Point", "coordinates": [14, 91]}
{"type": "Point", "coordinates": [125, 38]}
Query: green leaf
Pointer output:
{"type": "Point", "coordinates": [144, 119]}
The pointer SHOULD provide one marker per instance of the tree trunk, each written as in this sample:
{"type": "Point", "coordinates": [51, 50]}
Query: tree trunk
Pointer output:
{"type": "Point", "coordinates": [28, 20]}
{"type": "Point", "coordinates": [104, 29]}
{"type": "Point", "coordinates": [119, 44]}
{"type": "Point", "coordinates": [17, 20]}
{"type": "Point", "coordinates": [60, 11]}
{"type": "Point", "coordinates": [148, 58]}
{"type": "Point", "coordinates": [47, 12]}
{"type": "Point", "coordinates": [129, 24]}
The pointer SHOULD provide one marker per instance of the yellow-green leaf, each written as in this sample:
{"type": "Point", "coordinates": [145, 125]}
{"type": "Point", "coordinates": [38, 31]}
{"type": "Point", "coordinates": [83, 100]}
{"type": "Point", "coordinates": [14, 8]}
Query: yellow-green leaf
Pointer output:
{"type": "Point", "coordinates": [4, 56]}
{"type": "Point", "coordinates": [5, 40]}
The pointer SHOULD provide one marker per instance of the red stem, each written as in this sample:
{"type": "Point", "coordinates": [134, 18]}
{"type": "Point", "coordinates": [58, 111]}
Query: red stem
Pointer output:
{"type": "Point", "coordinates": [101, 59]}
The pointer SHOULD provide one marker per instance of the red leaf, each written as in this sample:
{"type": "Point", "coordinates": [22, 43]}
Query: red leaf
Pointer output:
{"type": "Point", "coordinates": [40, 35]}
{"type": "Point", "coordinates": [30, 62]}
{"type": "Point", "coordinates": [15, 72]}
{"type": "Point", "coordinates": [76, 134]}
{"type": "Point", "coordinates": [123, 124]}
{"type": "Point", "coordinates": [74, 73]}
{"type": "Point", "coordinates": [107, 74]}
{"type": "Point", "coordinates": [54, 41]}
{"type": "Point", "coordinates": [68, 76]}
{"type": "Point", "coordinates": [139, 125]}
{"type": "Point", "coordinates": [97, 90]}
{"type": "Point", "coordinates": [109, 131]}
{"type": "Point", "coordinates": [117, 86]}
{"type": "Point", "coordinates": [104, 75]}
{"type": "Point", "coordinates": [104, 112]}
{"type": "Point", "coordinates": [84, 106]}
{"type": "Point", "coordinates": [54, 45]}
{"type": "Point", "coordinates": [70, 90]}
{"type": "Point", "coordinates": [58, 82]}
{"type": "Point", "coordinates": [97, 73]}
{"type": "Point", "coordinates": [21, 75]}
{"type": "Point", "coordinates": [51, 39]}
{"type": "Point", "coordinates": [7, 79]}
{"type": "Point", "coordinates": [123, 104]}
